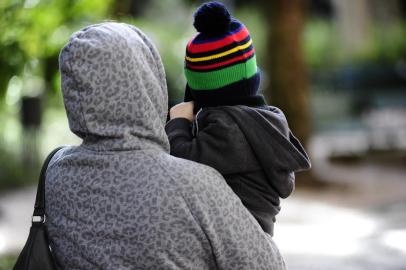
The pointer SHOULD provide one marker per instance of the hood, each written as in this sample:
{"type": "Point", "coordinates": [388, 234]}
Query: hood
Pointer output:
{"type": "Point", "coordinates": [114, 88]}
{"type": "Point", "coordinates": [277, 150]}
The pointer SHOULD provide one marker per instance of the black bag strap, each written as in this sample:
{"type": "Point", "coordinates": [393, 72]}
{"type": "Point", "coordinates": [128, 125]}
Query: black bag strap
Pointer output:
{"type": "Point", "coordinates": [39, 207]}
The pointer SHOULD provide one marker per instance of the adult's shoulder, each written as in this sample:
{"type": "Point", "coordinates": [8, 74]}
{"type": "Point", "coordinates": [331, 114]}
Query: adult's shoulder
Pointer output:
{"type": "Point", "coordinates": [61, 153]}
{"type": "Point", "coordinates": [189, 173]}
{"type": "Point", "coordinates": [195, 182]}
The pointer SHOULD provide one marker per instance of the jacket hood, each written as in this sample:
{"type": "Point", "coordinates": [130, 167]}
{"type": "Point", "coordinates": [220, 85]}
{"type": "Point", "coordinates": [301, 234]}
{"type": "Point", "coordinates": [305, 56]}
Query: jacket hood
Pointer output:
{"type": "Point", "coordinates": [114, 88]}
{"type": "Point", "coordinates": [277, 150]}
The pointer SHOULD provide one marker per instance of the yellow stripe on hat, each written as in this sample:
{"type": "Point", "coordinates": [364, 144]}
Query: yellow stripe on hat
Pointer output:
{"type": "Point", "coordinates": [200, 59]}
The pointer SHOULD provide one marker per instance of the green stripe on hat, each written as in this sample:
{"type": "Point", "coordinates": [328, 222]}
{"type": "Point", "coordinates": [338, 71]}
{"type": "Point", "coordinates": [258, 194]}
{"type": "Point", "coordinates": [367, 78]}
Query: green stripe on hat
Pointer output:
{"type": "Point", "coordinates": [220, 78]}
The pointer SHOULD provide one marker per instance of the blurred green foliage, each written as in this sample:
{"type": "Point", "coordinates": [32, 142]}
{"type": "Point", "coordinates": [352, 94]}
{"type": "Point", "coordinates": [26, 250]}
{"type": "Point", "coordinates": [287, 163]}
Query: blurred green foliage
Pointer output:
{"type": "Point", "coordinates": [323, 47]}
{"type": "Point", "coordinates": [320, 44]}
{"type": "Point", "coordinates": [388, 43]}
{"type": "Point", "coordinates": [32, 34]}
{"type": "Point", "coordinates": [7, 262]}
{"type": "Point", "coordinates": [12, 172]}
{"type": "Point", "coordinates": [34, 31]}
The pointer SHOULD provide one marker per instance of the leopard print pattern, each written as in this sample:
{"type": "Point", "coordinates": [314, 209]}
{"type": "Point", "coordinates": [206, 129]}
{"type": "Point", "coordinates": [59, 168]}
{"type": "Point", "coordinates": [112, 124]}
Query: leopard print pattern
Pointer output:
{"type": "Point", "coordinates": [119, 200]}
{"type": "Point", "coordinates": [113, 85]}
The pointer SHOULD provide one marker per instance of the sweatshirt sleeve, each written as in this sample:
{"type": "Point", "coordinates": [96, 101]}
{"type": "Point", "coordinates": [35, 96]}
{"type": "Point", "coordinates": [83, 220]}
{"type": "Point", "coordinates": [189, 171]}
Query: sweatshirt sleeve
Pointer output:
{"type": "Point", "coordinates": [219, 143]}
{"type": "Point", "coordinates": [236, 239]}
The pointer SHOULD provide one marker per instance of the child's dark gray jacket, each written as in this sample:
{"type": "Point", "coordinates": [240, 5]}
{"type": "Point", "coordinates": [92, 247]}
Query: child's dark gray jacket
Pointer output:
{"type": "Point", "coordinates": [252, 148]}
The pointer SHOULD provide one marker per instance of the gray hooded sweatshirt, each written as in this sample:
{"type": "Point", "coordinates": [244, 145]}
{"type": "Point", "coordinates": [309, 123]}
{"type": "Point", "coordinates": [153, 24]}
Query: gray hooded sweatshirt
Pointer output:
{"type": "Point", "coordinates": [119, 200]}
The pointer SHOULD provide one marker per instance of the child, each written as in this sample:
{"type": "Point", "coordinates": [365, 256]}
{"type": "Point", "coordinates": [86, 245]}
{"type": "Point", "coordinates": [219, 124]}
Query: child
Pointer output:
{"type": "Point", "coordinates": [235, 132]}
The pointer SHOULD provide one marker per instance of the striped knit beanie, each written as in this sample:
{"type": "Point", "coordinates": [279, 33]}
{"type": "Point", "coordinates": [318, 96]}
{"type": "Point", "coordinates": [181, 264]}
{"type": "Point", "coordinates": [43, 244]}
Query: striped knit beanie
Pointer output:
{"type": "Point", "coordinates": [220, 63]}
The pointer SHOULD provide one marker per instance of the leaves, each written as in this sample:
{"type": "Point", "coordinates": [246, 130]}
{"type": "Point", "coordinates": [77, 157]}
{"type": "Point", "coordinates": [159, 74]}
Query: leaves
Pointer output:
{"type": "Point", "coordinates": [37, 29]}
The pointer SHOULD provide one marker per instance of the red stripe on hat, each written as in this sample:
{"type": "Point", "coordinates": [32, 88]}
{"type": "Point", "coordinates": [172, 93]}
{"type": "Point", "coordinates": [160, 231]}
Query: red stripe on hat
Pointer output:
{"type": "Point", "coordinates": [209, 46]}
{"type": "Point", "coordinates": [224, 63]}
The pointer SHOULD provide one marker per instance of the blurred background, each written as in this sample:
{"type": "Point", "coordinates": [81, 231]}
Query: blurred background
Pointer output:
{"type": "Point", "coordinates": [337, 68]}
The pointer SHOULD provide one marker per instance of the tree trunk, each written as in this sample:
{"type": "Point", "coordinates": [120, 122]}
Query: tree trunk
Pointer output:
{"type": "Point", "coordinates": [286, 66]}
{"type": "Point", "coordinates": [288, 75]}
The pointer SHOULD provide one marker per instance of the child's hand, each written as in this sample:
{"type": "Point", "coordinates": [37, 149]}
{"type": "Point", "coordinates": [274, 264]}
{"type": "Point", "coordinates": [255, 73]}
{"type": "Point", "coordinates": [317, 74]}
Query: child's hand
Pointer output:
{"type": "Point", "coordinates": [182, 110]}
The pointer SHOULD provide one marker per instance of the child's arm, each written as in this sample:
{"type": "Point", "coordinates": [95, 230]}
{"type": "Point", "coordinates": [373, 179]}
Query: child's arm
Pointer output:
{"type": "Point", "coordinates": [218, 143]}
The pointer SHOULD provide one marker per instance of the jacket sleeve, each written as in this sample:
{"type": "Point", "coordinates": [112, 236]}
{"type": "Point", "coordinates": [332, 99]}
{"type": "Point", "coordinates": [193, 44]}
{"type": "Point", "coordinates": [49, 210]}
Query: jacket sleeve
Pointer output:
{"type": "Point", "coordinates": [236, 239]}
{"type": "Point", "coordinates": [218, 143]}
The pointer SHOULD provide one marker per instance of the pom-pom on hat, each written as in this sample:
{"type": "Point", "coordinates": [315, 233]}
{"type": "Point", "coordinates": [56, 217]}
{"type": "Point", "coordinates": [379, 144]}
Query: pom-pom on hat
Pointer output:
{"type": "Point", "coordinates": [212, 18]}
{"type": "Point", "coordinates": [220, 62]}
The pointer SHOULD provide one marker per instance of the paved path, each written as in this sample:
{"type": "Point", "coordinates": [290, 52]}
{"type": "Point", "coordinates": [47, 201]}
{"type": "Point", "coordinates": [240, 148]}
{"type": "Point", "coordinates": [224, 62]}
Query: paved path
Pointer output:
{"type": "Point", "coordinates": [316, 235]}
{"type": "Point", "coordinates": [15, 218]}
